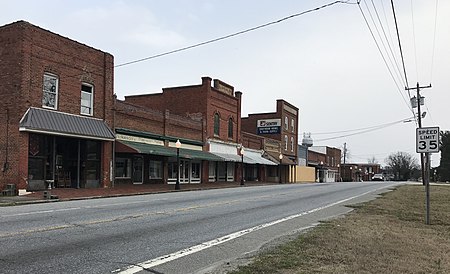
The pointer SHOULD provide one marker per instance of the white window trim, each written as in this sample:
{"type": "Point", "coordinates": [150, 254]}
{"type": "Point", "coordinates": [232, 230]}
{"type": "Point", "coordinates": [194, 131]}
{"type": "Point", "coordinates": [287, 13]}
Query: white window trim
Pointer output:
{"type": "Point", "coordinates": [292, 144]}
{"type": "Point", "coordinates": [56, 91]}
{"type": "Point", "coordinates": [286, 140]}
{"type": "Point", "coordinates": [91, 105]}
{"type": "Point", "coordinates": [286, 123]}
{"type": "Point", "coordinates": [293, 125]}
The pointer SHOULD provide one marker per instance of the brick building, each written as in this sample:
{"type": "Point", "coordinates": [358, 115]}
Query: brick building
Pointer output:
{"type": "Point", "coordinates": [145, 147]}
{"type": "Point", "coordinates": [356, 172]}
{"type": "Point", "coordinates": [327, 161]}
{"type": "Point", "coordinates": [219, 107]}
{"type": "Point", "coordinates": [282, 128]}
{"type": "Point", "coordinates": [56, 110]}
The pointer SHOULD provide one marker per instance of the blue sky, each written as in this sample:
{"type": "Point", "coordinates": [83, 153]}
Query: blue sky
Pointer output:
{"type": "Point", "coordinates": [325, 62]}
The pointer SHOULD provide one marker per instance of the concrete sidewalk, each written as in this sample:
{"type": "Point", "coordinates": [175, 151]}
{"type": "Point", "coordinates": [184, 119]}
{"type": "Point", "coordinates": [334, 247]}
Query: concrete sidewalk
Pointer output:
{"type": "Point", "coordinates": [67, 194]}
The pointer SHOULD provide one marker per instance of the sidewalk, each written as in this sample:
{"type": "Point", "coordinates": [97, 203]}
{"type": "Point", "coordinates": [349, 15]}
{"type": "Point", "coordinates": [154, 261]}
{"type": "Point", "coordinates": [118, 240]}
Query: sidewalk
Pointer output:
{"type": "Point", "coordinates": [66, 194]}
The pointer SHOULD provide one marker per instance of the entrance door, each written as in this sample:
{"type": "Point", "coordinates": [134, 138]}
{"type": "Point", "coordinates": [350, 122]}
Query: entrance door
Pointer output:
{"type": "Point", "coordinates": [184, 171]}
{"type": "Point", "coordinates": [138, 170]}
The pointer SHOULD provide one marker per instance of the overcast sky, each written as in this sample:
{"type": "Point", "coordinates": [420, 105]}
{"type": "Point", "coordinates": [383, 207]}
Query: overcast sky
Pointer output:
{"type": "Point", "coordinates": [325, 62]}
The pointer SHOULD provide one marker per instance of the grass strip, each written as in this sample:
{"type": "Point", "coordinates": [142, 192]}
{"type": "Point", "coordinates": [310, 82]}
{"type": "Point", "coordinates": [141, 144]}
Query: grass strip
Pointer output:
{"type": "Point", "coordinates": [386, 235]}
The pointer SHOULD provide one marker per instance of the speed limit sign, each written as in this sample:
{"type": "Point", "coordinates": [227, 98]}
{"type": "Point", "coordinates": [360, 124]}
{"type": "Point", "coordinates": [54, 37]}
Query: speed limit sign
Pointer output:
{"type": "Point", "coordinates": [427, 140]}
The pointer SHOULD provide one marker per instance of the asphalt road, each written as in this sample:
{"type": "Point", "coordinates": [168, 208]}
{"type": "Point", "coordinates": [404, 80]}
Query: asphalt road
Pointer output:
{"type": "Point", "coordinates": [183, 232]}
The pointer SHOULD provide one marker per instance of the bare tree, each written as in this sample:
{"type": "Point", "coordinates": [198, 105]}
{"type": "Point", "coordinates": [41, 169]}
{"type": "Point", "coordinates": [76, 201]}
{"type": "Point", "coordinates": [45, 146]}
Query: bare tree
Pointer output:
{"type": "Point", "coordinates": [402, 164]}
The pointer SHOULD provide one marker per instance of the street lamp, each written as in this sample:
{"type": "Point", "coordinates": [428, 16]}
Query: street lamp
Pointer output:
{"type": "Point", "coordinates": [177, 184]}
{"type": "Point", "coordinates": [242, 165]}
{"type": "Point", "coordinates": [281, 158]}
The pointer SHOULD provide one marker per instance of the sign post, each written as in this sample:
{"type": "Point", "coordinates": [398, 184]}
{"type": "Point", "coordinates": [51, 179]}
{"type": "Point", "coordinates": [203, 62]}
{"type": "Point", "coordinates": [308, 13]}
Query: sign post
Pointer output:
{"type": "Point", "coordinates": [427, 141]}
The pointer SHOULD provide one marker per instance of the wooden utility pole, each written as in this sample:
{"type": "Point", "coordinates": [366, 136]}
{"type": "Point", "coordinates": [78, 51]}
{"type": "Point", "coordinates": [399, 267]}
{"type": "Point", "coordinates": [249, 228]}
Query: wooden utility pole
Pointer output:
{"type": "Point", "coordinates": [424, 157]}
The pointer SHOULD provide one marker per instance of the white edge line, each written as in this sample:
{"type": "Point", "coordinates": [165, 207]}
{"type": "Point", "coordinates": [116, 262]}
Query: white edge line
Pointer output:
{"type": "Point", "coordinates": [196, 248]}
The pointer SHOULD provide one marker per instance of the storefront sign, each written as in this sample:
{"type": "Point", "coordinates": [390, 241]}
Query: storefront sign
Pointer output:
{"type": "Point", "coordinates": [269, 126]}
{"type": "Point", "coordinates": [139, 139]}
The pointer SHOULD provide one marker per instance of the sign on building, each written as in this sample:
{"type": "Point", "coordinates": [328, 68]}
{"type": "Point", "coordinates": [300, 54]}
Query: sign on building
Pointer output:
{"type": "Point", "coordinates": [427, 140]}
{"type": "Point", "coordinates": [269, 126]}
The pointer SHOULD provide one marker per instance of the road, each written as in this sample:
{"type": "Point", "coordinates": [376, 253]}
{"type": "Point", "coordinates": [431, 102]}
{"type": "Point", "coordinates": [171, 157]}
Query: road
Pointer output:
{"type": "Point", "coordinates": [180, 232]}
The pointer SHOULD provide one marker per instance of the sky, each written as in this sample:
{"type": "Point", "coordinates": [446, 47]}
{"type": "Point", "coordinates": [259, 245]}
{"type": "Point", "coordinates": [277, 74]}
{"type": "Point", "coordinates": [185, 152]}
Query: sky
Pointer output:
{"type": "Point", "coordinates": [325, 62]}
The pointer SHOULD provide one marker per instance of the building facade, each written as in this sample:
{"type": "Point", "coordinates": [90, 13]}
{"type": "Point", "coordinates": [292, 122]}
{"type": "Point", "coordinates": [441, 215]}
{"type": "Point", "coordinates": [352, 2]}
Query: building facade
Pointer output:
{"type": "Point", "coordinates": [56, 110]}
{"type": "Point", "coordinates": [327, 161]}
{"type": "Point", "coordinates": [281, 126]}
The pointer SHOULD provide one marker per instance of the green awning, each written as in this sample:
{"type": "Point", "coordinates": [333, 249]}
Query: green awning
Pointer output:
{"type": "Point", "coordinates": [144, 148]}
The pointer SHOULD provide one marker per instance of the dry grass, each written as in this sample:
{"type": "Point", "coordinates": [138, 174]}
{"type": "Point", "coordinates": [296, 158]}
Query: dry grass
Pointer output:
{"type": "Point", "coordinates": [387, 235]}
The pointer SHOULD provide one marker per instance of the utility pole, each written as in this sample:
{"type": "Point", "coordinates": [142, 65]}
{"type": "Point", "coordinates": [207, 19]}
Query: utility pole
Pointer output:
{"type": "Point", "coordinates": [345, 155]}
{"type": "Point", "coordinates": [424, 157]}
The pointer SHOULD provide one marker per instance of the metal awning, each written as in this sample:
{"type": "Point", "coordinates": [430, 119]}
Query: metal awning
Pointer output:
{"type": "Point", "coordinates": [144, 148]}
{"type": "Point", "coordinates": [228, 157]}
{"type": "Point", "coordinates": [255, 157]}
{"type": "Point", "coordinates": [45, 121]}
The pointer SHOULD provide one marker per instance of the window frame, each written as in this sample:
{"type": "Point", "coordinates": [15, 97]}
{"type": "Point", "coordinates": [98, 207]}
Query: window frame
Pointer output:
{"type": "Point", "coordinates": [216, 124]}
{"type": "Point", "coordinates": [126, 168]}
{"type": "Point", "coordinates": [286, 141]}
{"type": "Point", "coordinates": [230, 128]}
{"type": "Point", "coordinates": [156, 169]}
{"type": "Point", "coordinates": [91, 105]}
{"type": "Point", "coordinates": [293, 125]}
{"type": "Point", "coordinates": [292, 144]}
{"type": "Point", "coordinates": [286, 123]}
{"type": "Point", "coordinates": [46, 89]}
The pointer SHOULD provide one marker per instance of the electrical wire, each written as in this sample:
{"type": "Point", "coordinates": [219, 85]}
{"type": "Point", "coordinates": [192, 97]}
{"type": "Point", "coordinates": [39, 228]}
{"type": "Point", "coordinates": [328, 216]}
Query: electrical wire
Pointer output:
{"type": "Point", "coordinates": [414, 39]}
{"type": "Point", "coordinates": [393, 63]}
{"type": "Point", "coordinates": [233, 34]}
{"type": "Point", "coordinates": [360, 132]}
{"type": "Point", "coordinates": [434, 41]}
{"type": "Point", "coordinates": [364, 128]}
{"type": "Point", "coordinates": [384, 59]}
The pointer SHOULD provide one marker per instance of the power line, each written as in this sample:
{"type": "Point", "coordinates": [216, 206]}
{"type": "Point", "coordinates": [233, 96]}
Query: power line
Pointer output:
{"type": "Point", "coordinates": [434, 41]}
{"type": "Point", "coordinates": [360, 132]}
{"type": "Point", "coordinates": [400, 45]}
{"type": "Point", "coordinates": [393, 63]}
{"type": "Point", "coordinates": [384, 59]}
{"type": "Point", "coordinates": [414, 39]}
{"type": "Point", "coordinates": [233, 34]}
{"type": "Point", "coordinates": [364, 128]}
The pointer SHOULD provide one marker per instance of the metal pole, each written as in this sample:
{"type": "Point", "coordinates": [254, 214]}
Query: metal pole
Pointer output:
{"type": "Point", "coordinates": [242, 169]}
{"type": "Point", "coordinates": [177, 184]}
{"type": "Point", "coordinates": [427, 187]}
{"type": "Point", "coordinates": [280, 172]}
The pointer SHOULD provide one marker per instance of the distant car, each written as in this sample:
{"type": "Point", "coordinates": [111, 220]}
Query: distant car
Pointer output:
{"type": "Point", "coordinates": [378, 177]}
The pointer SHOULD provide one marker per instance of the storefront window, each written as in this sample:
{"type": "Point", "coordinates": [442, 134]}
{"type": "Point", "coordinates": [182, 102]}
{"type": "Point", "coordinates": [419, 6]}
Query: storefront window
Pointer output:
{"type": "Point", "coordinates": [195, 170]}
{"type": "Point", "coordinates": [123, 168]}
{"type": "Point", "coordinates": [155, 169]}
{"type": "Point", "coordinates": [172, 170]}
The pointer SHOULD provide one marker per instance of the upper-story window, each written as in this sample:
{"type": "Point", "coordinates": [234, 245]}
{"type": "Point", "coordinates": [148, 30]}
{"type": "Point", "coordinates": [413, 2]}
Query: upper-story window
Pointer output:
{"type": "Point", "coordinates": [293, 125]}
{"type": "Point", "coordinates": [87, 99]}
{"type": "Point", "coordinates": [286, 123]}
{"type": "Point", "coordinates": [50, 91]}
{"type": "Point", "coordinates": [230, 128]}
{"type": "Point", "coordinates": [286, 141]}
{"type": "Point", "coordinates": [292, 144]}
{"type": "Point", "coordinates": [216, 124]}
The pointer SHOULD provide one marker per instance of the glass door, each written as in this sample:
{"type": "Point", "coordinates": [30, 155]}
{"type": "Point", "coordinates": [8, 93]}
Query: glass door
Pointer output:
{"type": "Point", "coordinates": [138, 170]}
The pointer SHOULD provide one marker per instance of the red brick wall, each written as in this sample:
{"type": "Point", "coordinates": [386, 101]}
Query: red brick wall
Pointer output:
{"type": "Point", "coordinates": [249, 124]}
{"type": "Point", "coordinates": [27, 52]}
{"type": "Point", "coordinates": [197, 100]}
{"type": "Point", "coordinates": [140, 118]}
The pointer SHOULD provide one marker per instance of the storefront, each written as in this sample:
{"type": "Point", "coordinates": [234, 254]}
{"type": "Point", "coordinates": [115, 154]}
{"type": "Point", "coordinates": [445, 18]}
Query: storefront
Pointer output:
{"type": "Point", "coordinates": [64, 150]}
{"type": "Point", "coordinates": [145, 158]}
